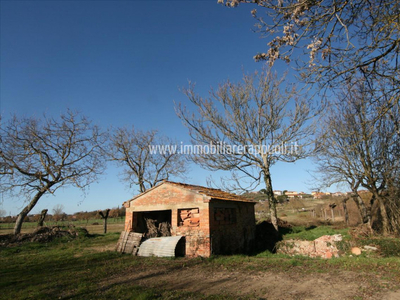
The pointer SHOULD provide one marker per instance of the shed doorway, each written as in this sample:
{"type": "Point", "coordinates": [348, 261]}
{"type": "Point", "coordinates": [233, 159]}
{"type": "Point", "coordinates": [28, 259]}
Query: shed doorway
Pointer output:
{"type": "Point", "coordinates": [153, 223]}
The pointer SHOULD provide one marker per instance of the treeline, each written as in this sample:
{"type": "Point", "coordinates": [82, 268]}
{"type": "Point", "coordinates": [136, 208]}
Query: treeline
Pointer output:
{"type": "Point", "coordinates": [118, 212]}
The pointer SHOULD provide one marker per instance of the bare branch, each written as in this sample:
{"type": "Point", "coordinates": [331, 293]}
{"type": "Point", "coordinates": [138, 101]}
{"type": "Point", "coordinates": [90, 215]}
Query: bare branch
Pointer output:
{"type": "Point", "coordinates": [40, 156]}
{"type": "Point", "coordinates": [361, 143]}
{"type": "Point", "coordinates": [144, 156]}
{"type": "Point", "coordinates": [330, 41]}
{"type": "Point", "coordinates": [251, 125]}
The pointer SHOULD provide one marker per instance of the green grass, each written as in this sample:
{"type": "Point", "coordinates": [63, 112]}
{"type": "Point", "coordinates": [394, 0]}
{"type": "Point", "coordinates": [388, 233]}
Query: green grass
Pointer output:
{"type": "Point", "coordinates": [75, 269]}
{"type": "Point", "coordinates": [313, 232]}
{"type": "Point", "coordinates": [388, 247]}
{"type": "Point", "coordinates": [81, 269]}
{"type": "Point", "coordinates": [389, 267]}
{"type": "Point", "coordinates": [59, 269]}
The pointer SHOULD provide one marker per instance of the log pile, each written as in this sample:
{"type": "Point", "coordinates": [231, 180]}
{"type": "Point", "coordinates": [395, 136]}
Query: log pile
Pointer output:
{"type": "Point", "coordinates": [157, 229]}
{"type": "Point", "coordinates": [43, 235]}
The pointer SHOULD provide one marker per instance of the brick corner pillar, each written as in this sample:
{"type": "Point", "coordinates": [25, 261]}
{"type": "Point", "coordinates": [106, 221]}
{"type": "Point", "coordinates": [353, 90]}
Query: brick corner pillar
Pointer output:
{"type": "Point", "coordinates": [129, 221]}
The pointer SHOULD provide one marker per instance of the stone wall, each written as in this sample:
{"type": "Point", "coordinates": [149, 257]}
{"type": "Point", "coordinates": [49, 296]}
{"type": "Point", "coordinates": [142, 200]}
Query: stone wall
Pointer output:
{"type": "Point", "coordinates": [325, 247]}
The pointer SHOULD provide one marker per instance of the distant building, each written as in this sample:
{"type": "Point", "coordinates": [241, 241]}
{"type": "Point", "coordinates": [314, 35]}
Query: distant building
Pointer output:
{"type": "Point", "coordinates": [291, 194]}
{"type": "Point", "coordinates": [278, 193]}
{"type": "Point", "coordinates": [338, 194]}
{"type": "Point", "coordinates": [318, 195]}
{"type": "Point", "coordinates": [303, 195]}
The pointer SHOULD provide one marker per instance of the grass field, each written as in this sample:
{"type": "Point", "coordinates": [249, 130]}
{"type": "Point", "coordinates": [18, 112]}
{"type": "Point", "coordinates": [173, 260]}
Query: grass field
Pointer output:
{"type": "Point", "coordinates": [88, 268]}
{"type": "Point", "coordinates": [113, 225]}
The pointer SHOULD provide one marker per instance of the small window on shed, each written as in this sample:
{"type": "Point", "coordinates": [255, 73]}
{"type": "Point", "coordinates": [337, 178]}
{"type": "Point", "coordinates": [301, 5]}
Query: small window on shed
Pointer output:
{"type": "Point", "coordinates": [189, 217]}
{"type": "Point", "coordinates": [224, 216]}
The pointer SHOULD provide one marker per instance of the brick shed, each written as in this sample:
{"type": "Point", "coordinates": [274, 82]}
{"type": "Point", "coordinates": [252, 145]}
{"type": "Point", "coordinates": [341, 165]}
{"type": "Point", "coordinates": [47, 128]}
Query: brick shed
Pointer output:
{"type": "Point", "coordinates": [210, 220]}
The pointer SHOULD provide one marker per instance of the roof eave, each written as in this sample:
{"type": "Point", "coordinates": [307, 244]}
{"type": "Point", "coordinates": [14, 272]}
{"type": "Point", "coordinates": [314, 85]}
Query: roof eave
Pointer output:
{"type": "Point", "coordinates": [233, 200]}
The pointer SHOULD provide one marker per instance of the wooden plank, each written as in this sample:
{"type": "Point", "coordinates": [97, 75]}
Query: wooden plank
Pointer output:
{"type": "Point", "coordinates": [129, 242]}
{"type": "Point", "coordinates": [121, 240]}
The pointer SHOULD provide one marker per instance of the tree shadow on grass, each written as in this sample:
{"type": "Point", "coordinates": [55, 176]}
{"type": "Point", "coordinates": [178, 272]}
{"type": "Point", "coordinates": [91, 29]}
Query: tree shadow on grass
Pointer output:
{"type": "Point", "coordinates": [267, 237]}
{"type": "Point", "coordinates": [311, 227]}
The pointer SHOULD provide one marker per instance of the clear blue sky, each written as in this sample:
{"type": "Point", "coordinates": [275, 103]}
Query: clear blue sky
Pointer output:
{"type": "Point", "coordinates": [122, 63]}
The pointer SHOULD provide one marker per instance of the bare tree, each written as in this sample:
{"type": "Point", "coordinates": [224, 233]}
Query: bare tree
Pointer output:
{"type": "Point", "coordinates": [58, 211]}
{"type": "Point", "coordinates": [248, 127]}
{"type": "Point", "coordinates": [336, 160]}
{"type": "Point", "coordinates": [40, 156]}
{"type": "Point", "coordinates": [104, 215]}
{"type": "Point", "coordinates": [360, 145]}
{"type": "Point", "coordinates": [330, 40]}
{"type": "Point", "coordinates": [147, 158]}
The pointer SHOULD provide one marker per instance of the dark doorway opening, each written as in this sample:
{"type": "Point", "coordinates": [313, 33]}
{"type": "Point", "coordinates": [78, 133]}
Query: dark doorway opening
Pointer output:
{"type": "Point", "coordinates": [153, 223]}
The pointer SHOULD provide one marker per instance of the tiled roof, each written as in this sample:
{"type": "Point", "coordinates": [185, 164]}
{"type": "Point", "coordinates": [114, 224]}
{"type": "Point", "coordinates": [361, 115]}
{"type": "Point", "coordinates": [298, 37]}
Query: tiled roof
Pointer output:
{"type": "Point", "coordinates": [210, 192]}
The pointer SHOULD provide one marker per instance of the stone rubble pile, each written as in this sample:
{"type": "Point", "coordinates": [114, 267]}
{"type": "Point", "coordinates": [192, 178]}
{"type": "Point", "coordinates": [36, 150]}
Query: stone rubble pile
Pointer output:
{"type": "Point", "coordinates": [324, 247]}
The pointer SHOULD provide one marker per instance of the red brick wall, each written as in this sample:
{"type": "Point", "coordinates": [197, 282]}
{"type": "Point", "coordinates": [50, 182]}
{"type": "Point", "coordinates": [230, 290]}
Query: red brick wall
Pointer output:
{"type": "Point", "coordinates": [128, 221]}
{"type": "Point", "coordinates": [235, 235]}
{"type": "Point", "coordinates": [169, 197]}
{"type": "Point", "coordinates": [197, 238]}
{"type": "Point", "coordinates": [164, 196]}
{"type": "Point", "coordinates": [221, 236]}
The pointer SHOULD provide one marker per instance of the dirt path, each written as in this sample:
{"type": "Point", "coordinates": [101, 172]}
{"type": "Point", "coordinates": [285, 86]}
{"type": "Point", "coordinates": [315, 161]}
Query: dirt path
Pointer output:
{"type": "Point", "coordinates": [259, 284]}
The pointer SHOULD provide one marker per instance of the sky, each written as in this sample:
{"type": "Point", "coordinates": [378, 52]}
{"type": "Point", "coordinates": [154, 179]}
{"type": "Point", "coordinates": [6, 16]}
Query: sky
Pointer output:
{"type": "Point", "coordinates": [123, 63]}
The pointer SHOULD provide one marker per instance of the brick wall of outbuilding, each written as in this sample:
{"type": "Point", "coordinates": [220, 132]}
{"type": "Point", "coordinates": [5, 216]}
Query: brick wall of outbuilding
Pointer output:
{"type": "Point", "coordinates": [167, 197]}
{"type": "Point", "coordinates": [211, 236]}
{"type": "Point", "coordinates": [197, 238]}
{"type": "Point", "coordinates": [235, 235]}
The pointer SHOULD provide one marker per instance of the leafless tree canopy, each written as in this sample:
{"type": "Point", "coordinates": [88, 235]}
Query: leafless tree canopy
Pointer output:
{"type": "Point", "coordinates": [249, 122]}
{"type": "Point", "coordinates": [58, 212]}
{"type": "Point", "coordinates": [39, 156]}
{"type": "Point", "coordinates": [339, 37]}
{"type": "Point", "coordinates": [132, 150]}
{"type": "Point", "coordinates": [360, 145]}
{"type": "Point", "coordinates": [58, 209]}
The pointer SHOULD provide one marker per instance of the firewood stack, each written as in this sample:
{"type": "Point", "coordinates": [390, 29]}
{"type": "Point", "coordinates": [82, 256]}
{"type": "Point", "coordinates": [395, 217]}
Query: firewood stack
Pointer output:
{"type": "Point", "coordinates": [155, 229]}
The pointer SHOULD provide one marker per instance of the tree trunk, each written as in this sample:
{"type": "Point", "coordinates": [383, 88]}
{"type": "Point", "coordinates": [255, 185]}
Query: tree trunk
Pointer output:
{"type": "Point", "coordinates": [42, 216]}
{"type": "Point", "coordinates": [104, 216]}
{"type": "Point", "coordinates": [105, 225]}
{"type": "Point", "coordinates": [365, 216]}
{"type": "Point", "coordinates": [25, 212]}
{"type": "Point", "coordinates": [271, 200]}
{"type": "Point", "coordinates": [384, 215]}
{"type": "Point", "coordinates": [392, 209]}
{"type": "Point", "coordinates": [346, 212]}
{"type": "Point", "coordinates": [395, 224]}
{"type": "Point", "coordinates": [18, 223]}
{"type": "Point", "coordinates": [142, 186]}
